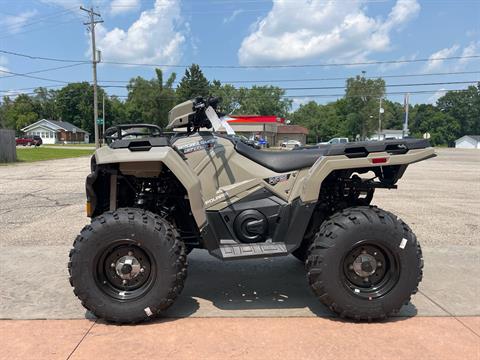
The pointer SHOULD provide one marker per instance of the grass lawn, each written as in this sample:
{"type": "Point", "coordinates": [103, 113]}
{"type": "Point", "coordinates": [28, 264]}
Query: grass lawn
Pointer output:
{"type": "Point", "coordinates": [68, 145]}
{"type": "Point", "coordinates": [43, 153]}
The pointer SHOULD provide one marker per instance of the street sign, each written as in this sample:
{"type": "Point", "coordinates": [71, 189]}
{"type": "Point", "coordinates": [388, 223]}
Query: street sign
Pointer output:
{"type": "Point", "coordinates": [99, 121]}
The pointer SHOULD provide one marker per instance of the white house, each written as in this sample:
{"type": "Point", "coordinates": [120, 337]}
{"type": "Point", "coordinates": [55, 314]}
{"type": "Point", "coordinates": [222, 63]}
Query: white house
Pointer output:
{"type": "Point", "coordinates": [388, 134]}
{"type": "Point", "coordinates": [468, 142]}
{"type": "Point", "coordinates": [57, 132]}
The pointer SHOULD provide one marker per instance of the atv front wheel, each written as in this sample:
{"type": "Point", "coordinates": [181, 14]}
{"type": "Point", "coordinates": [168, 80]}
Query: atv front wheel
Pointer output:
{"type": "Point", "coordinates": [364, 263]}
{"type": "Point", "coordinates": [128, 265]}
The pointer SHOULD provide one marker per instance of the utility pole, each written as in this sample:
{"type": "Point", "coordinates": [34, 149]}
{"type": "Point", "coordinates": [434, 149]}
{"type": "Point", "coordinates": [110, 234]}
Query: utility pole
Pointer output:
{"type": "Point", "coordinates": [380, 110]}
{"type": "Point", "coordinates": [91, 26]}
{"type": "Point", "coordinates": [103, 114]}
{"type": "Point", "coordinates": [405, 123]}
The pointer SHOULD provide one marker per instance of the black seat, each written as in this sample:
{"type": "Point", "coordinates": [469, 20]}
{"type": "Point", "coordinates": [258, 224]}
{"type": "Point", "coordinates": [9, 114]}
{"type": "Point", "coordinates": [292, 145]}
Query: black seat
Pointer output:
{"type": "Point", "coordinates": [280, 161]}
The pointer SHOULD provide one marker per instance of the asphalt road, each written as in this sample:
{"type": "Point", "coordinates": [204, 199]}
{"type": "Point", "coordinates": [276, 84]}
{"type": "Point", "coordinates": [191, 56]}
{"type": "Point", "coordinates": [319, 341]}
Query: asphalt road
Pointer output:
{"type": "Point", "coordinates": [42, 210]}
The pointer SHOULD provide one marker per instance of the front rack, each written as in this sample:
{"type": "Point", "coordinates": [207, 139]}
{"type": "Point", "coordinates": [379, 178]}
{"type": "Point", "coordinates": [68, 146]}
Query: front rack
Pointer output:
{"type": "Point", "coordinates": [118, 132]}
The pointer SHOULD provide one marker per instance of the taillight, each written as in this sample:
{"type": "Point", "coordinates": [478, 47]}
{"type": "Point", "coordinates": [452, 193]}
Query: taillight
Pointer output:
{"type": "Point", "coordinates": [381, 160]}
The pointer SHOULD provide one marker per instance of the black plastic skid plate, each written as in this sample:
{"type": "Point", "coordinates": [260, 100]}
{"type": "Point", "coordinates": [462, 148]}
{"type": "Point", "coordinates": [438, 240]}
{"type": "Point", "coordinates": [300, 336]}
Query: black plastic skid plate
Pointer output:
{"type": "Point", "coordinates": [253, 250]}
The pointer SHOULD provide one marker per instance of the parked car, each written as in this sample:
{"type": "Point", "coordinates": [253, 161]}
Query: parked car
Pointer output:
{"type": "Point", "coordinates": [244, 139]}
{"type": "Point", "coordinates": [261, 143]}
{"type": "Point", "coordinates": [29, 140]}
{"type": "Point", "coordinates": [290, 144]}
{"type": "Point", "coordinates": [338, 140]}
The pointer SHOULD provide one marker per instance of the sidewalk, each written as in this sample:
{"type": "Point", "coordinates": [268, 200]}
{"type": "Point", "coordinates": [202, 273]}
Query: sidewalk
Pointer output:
{"type": "Point", "coordinates": [243, 338]}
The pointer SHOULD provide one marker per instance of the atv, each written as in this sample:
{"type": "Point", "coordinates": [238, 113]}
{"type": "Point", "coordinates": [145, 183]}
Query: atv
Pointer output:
{"type": "Point", "coordinates": [153, 197]}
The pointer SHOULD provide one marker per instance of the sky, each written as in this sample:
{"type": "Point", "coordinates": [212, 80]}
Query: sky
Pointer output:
{"type": "Point", "coordinates": [261, 41]}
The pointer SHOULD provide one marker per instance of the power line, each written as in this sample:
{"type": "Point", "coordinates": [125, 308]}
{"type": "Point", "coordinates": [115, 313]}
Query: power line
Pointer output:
{"type": "Point", "coordinates": [309, 95]}
{"type": "Point", "coordinates": [343, 87]}
{"type": "Point", "coordinates": [344, 78]}
{"type": "Point", "coordinates": [288, 88]}
{"type": "Point", "coordinates": [41, 28]}
{"type": "Point", "coordinates": [32, 77]}
{"type": "Point", "coordinates": [38, 19]}
{"type": "Point", "coordinates": [45, 70]}
{"type": "Point", "coordinates": [376, 62]}
{"type": "Point", "coordinates": [321, 79]}
{"type": "Point", "coordinates": [327, 95]}
{"type": "Point", "coordinates": [271, 66]}
{"type": "Point", "coordinates": [42, 58]}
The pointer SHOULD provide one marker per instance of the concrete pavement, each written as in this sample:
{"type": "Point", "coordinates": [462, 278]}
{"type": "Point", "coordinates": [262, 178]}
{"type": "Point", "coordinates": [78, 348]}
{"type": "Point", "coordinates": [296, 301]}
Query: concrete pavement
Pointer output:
{"type": "Point", "coordinates": [42, 210]}
{"type": "Point", "coordinates": [250, 308]}
{"type": "Point", "coordinates": [236, 338]}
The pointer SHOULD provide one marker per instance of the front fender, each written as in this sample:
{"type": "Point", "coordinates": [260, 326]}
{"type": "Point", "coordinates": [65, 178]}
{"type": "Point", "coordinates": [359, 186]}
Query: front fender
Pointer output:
{"type": "Point", "coordinates": [171, 159]}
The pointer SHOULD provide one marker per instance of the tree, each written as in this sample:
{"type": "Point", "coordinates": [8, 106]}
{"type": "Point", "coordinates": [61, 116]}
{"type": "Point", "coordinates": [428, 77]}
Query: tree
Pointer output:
{"type": "Point", "coordinates": [363, 97]}
{"type": "Point", "coordinates": [228, 95]}
{"type": "Point", "coordinates": [75, 105]}
{"type": "Point", "coordinates": [20, 113]}
{"type": "Point", "coordinates": [193, 84]}
{"type": "Point", "coordinates": [263, 100]}
{"type": "Point", "coordinates": [4, 106]}
{"type": "Point", "coordinates": [393, 116]}
{"type": "Point", "coordinates": [46, 103]}
{"type": "Point", "coordinates": [322, 120]}
{"type": "Point", "coordinates": [443, 128]}
{"type": "Point", "coordinates": [464, 106]}
{"type": "Point", "coordinates": [149, 101]}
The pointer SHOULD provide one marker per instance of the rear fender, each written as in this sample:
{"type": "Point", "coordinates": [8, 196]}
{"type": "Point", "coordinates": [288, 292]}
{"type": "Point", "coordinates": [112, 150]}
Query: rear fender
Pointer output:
{"type": "Point", "coordinates": [309, 186]}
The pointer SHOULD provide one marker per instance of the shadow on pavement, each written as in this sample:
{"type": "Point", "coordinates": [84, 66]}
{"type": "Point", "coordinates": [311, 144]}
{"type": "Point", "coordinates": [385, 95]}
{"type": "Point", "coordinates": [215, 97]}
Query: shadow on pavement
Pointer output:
{"type": "Point", "coordinates": [258, 287]}
{"type": "Point", "coordinates": [270, 287]}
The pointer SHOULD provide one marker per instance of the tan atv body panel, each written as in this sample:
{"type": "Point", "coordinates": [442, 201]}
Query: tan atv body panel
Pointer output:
{"type": "Point", "coordinates": [178, 116]}
{"type": "Point", "coordinates": [150, 159]}
{"type": "Point", "coordinates": [215, 175]}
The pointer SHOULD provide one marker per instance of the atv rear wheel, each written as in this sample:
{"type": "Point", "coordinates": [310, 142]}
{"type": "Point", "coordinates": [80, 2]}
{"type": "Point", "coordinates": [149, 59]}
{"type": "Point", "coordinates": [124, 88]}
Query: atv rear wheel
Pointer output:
{"type": "Point", "coordinates": [364, 263]}
{"type": "Point", "coordinates": [128, 265]}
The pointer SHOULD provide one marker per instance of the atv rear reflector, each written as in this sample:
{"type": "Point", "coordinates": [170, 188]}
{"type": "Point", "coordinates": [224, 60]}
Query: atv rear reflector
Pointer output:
{"type": "Point", "coordinates": [379, 160]}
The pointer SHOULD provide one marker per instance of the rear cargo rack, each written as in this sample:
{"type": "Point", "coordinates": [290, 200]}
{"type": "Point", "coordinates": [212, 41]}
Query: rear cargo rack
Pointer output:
{"type": "Point", "coordinates": [142, 137]}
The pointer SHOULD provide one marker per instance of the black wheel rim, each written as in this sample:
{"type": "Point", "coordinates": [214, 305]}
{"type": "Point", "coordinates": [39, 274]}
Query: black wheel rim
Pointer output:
{"type": "Point", "coordinates": [125, 271]}
{"type": "Point", "coordinates": [370, 270]}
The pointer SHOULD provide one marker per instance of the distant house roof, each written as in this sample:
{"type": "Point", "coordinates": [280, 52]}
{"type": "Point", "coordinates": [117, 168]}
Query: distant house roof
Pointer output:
{"type": "Point", "coordinates": [54, 125]}
{"type": "Point", "coordinates": [292, 129]}
{"type": "Point", "coordinates": [391, 131]}
{"type": "Point", "coordinates": [474, 137]}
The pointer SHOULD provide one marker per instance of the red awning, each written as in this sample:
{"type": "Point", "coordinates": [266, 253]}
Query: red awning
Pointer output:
{"type": "Point", "coordinates": [254, 119]}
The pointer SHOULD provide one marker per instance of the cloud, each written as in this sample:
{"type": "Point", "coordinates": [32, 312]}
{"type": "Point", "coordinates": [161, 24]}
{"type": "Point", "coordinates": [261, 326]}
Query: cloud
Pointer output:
{"type": "Point", "coordinates": [397, 65]}
{"type": "Point", "coordinates": [123, 6]}
{"type": "Point", "coordinates": [233, 16]}
{"type": "Point", "coordinates": [3, 63]}
{"type": "Point", "coordinates": [15, 23]}
{"type": "Point", "coordinates": [297, 102]}
{"type": "Point", "coordinates": [434, 98]}
{"type": "Point", "coordinates": [153, 37]}
{"type": "Point", "coordinates": [434, 63]}
{"type": "Point", "coordinates": [471, 50]}
{"type": "Point", "coordinates": [3, 68]}
{"type": "Point", "coordinates": [305, 29]}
